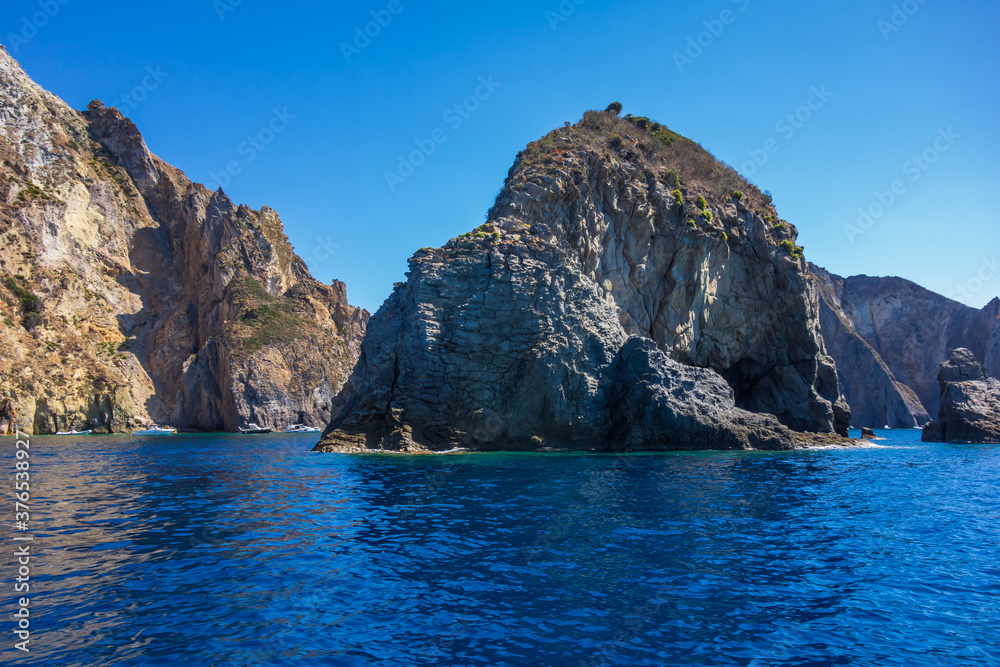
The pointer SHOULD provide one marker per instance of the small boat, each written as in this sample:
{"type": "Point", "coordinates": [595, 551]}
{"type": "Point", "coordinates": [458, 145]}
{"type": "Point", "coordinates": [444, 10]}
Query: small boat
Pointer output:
{"type": "Point", "coordinates": [74, 432]}
{"type": "Point", "coordinates": [253, 429]}
{"type": "Point", "coordinates": [157, 430]}
{"type": "Point", "coordinates": [302, 428]}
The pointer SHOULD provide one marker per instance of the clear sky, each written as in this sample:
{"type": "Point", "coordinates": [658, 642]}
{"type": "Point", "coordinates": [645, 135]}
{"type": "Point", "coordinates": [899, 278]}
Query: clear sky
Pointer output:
{"type": "Point", "coordinates": [924, 83]}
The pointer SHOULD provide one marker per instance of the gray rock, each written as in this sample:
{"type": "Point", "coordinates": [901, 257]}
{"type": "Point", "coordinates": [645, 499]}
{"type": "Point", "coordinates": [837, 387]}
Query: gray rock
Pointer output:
{"type": "Point", "coordinates": [888, 337]}
{"type": "Point", "coordinates": [509, 347]}
{"type": "Point", "coordinates": [588, 314]}
{"type": "Point", "coordinates": [970, 403]}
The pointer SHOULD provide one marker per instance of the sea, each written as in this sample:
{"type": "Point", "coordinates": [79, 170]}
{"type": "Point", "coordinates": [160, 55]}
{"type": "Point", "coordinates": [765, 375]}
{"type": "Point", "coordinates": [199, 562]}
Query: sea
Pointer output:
{"type": "Point", "coordinates": [205, 550]}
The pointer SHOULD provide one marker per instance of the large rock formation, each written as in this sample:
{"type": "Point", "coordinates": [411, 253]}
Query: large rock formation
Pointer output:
{"type": "Point", "coordinates": [131, 294]}
{"type": "Point", "coordinates": [889, 337]}
{"type": "Point", "coordinates": [518, 334]}
{"type": "Point", "coordinates": [970, 403]}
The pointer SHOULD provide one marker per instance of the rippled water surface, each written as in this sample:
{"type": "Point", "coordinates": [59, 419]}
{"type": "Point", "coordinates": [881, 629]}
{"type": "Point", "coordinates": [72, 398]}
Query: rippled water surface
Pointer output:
{"type": "Point", "coordinates": [251, 550]}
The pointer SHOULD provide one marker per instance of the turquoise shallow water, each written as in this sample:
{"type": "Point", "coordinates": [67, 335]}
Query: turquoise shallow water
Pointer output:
{"type": "Point", "coordinates": [251, 550]}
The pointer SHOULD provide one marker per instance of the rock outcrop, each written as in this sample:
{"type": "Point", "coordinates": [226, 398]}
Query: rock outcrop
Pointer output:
{"type": "Point", "coordinates": [970, 403]}
{"type": "Point", "coordinates": [132, 295]}
{"type": "Point", "coordinates": [626, 292]}
{"type": "Point", "coordinates": [889, 336]}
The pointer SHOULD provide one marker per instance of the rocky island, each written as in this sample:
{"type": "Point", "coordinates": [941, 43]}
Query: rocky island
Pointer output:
{"type": "Point", "coordinates": [131, 295]}
{"type": "Point", "coordinates": [627, 292]}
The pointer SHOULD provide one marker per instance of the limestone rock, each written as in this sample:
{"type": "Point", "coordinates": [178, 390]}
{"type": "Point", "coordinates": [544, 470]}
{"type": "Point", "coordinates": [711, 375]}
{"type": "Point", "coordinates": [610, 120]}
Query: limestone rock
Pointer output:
{"type": "Point", "coordinates": [517, 335]}
{"type": "Point", "coordinates": [132, 295]}
{"type": "Point", "coordinates": [970, 403]}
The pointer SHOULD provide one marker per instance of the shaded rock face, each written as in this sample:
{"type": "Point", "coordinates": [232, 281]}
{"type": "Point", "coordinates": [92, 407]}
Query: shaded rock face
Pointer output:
{"type": "Point", "coordinates": [157, 300]}
{"type": "Point", "coordinates": [970, 403]}
{"type": "Point", "coordinates": [511, 347]}
{"type": "Point", "coordinates": [889, 337]}
{"type": "Point", "coordinates": [515, 336]}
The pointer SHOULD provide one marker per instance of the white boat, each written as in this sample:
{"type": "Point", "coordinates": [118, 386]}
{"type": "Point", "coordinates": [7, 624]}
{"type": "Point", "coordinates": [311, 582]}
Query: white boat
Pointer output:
{"type": "Point", "coordinates": [302, 428]}
{"type": "Point", "coordinates": [253, 429]}
{"type": "Point", "coordinates": [74, 432]}
{"type": "Point", "coordinates": [157, 430]}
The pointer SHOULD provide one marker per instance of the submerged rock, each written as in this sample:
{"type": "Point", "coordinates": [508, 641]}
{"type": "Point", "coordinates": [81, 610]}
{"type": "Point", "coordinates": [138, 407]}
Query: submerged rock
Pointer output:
{"type": "Point", "coordinates": [970, 403]}
{"type": "Point", "coordinates": [609, 303]}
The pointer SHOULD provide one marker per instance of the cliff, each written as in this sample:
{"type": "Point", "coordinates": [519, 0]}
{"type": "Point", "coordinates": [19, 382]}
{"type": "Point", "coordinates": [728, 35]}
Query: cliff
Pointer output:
{"type": "Point", "coordinates": [131, 295]}
{"type": "Point", "coordinates": [523, 333]}
{"type": "Point", "coordinates": [889, 337]}
{"type": "Point", "coordinates": [970, 403]}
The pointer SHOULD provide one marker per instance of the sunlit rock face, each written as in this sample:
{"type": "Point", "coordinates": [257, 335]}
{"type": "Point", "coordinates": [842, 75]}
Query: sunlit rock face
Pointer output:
{"type": "Point", "coordinates": [131, 295]}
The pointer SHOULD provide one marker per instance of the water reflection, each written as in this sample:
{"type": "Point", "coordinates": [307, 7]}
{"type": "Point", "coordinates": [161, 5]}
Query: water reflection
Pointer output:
{"type": "Point", "coordinates": [246, 551]}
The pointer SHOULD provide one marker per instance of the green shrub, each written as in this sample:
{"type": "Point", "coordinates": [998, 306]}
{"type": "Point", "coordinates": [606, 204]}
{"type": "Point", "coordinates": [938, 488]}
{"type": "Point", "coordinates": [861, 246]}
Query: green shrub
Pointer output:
{"type": "Point", "coordinates": [672, 178]}
{"type": "Point", "coordinates": [792, 249]}
{"type": "Point", "coordinates": [702, 203]}
{"type": "Point", "coordinates": [738, 195]}
{"type": "Point", "coordinates": [691, 223]}
{"type": "Point", "coordinates": [32, 192]}
{"type": "Point", "coordinates": [708, 215]}
{"type": "Point", "coordinates": [725, 237]}
{"type": "Point", "coordinates": [678, 196]}
{"type": "Point", "coordinates": [30, 303]}
{"type": "Point", "coordinates": [615, 108]}
{"type": "Point", "coordinates": [780, 227]}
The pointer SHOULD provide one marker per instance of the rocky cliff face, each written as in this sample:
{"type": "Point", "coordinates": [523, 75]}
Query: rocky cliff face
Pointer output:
{"type": "Point", "coordinates": [517, 334]}
{"type": "Point", "coordinates": [970, 403]}
{"type": "Point", "coordinates": [132, 295]}
{"type": "Point", "coordinates": [889, 337]}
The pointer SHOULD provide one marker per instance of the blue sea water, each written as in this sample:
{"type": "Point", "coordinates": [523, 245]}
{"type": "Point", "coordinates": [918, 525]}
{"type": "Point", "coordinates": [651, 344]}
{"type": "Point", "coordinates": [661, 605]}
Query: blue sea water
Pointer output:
{"type": "Point", "coordinates": [251, 550]}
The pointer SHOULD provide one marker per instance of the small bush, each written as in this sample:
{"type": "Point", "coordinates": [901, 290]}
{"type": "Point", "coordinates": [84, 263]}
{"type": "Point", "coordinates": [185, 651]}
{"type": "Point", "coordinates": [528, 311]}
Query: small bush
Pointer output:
{"type": "Point", "coordinates": [738, 195]}
{"type": "Point", "coordinates": [672, 178]}
{"type": "Point", "coordinates": [780, 227]}
{"type": "Point", "coordinates": [31, 304]}
{"type": "Point", "coordinates": [702, 203]}
{"type": "Point", "coordinates": [708, 215]}
{"type": "Point", "coordinates": [792, 249]}
{"type": "Point", "coordinates": [678, 196]}
{"type": "Point", "coordinates": [725, 237]}
{"type": "Point", "coordinates": [691, 223]}
{"type": "Point", "coordinates": [615, 108]}
{"type": "Point", "coordinates": [617, 141]}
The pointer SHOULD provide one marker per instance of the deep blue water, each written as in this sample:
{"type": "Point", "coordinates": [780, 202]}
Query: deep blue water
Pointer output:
{"type": "Point", "coordinates": [251, 550]}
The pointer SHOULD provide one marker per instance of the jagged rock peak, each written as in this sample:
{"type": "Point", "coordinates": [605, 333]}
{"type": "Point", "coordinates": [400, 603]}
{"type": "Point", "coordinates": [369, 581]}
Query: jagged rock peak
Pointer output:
{"type": "Point", "coordinates": [516, 333]}
{"type": "Point", "coordinates": [140, 296]}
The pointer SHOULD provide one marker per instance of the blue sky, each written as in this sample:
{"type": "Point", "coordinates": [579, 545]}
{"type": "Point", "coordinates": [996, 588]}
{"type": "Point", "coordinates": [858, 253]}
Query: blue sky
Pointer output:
{"type": "Point", "coordinates": [926, 87]}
